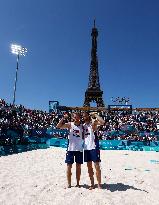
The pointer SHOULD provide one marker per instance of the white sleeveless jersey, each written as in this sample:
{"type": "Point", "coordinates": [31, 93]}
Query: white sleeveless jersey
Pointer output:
{"type": "Point", "coordinates": [75, 138]}
{"type": "Point", "coordinates": [89, 137]}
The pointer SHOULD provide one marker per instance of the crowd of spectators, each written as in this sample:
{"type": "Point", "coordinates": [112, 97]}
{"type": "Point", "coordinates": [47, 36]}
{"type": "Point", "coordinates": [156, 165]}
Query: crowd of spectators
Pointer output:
{"type": "Point", "coordinates": [138, 126]}
{"type": "Point", "coordinates": [21, 117]}
{"type": "Point", "coordinates": [23, 120]}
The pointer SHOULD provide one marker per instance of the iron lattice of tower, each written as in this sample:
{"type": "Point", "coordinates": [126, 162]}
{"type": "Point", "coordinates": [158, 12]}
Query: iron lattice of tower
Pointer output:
{"type": "Point", "coordinates": [93, 92]}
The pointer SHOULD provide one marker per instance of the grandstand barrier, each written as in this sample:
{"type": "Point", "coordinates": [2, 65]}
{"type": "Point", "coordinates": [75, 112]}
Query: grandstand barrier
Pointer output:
{"type": "Point", "coordinates": [38, 132]}
{"type": "Point", "coordinates": [52, 131]}
{"type": "Point", "coordinates": [55, 137]}
{"type": "Point", "coordinates": [62, 133]}
{"type": "Point", "coordinates": [34, 140]}
{"type": "Point", "coordinates": [56, 142]}
{"type": "Point", "coordinates": [149, 148]}
{"type": "Point", "coordinates": [15, 149]}
{"type": "Point", "coordinates": [111, 144]}
{"type": "Point", "coordinates": [48, 132]}
{"type": "Point", "coordinates": [154, 143]}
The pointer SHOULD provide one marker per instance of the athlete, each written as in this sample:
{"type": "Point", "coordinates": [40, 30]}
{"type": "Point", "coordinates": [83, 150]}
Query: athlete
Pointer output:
{"type": "Point", "coordinates": [91, 146]}
{"type": "Point", "coordinates": [75, 145]}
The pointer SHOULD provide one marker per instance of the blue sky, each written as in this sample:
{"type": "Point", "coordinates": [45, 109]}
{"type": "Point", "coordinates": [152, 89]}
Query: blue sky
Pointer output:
{"type": "Point", "coordinates": [57, 35]}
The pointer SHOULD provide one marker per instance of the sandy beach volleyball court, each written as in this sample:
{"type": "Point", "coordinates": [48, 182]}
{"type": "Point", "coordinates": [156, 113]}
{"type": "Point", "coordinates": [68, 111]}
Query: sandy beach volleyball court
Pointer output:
{"type": "Point", "coordinates": [38, 178]}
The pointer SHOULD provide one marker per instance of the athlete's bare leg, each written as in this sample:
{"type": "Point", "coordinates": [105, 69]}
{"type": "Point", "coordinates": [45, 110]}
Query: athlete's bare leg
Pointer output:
{"type": "Point", "coordinates": [69, 166]}
{"type": "Point", "coordinates": [98, 174]}
{"type": "Point", "coordinates": [78, 174]}
{"type": "Point", "coordinates": [90, 172]}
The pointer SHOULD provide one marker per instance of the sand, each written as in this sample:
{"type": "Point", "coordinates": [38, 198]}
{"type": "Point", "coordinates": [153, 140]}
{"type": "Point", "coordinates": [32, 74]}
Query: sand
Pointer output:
{"type": "Point", "coordinates": [38, 178]}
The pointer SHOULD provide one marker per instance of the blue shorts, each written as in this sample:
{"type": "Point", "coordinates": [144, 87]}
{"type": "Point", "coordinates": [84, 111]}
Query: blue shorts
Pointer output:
{"type": "Point", "coordinates": [70, 157]}
{"type": "Point", "coordinates": [92, 155]}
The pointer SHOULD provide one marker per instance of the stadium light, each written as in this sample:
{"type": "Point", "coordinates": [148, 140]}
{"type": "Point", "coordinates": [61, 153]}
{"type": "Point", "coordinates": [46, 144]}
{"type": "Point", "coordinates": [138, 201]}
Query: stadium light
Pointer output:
{"type": "Point", "coordinates": [19, 51]}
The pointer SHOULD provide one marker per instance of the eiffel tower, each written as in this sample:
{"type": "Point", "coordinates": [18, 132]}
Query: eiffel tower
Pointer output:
{"type": "Point", "coordinates": [93, 92]}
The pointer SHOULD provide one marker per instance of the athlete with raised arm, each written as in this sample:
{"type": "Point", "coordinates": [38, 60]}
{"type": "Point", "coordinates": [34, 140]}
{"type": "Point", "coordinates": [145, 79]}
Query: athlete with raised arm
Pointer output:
{"type": "Point", "coordinates": [91, 146]}
{"type": "Point", "coordinates": [75, 145]}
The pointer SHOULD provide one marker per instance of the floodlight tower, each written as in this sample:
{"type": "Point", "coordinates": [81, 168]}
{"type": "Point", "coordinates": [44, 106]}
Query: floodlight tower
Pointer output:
{"type": "Point", "coordinates": [19, 51]}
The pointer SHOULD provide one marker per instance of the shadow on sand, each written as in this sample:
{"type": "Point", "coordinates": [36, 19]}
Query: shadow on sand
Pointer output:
{"type": "Point", "coordinates": [115, 187]}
